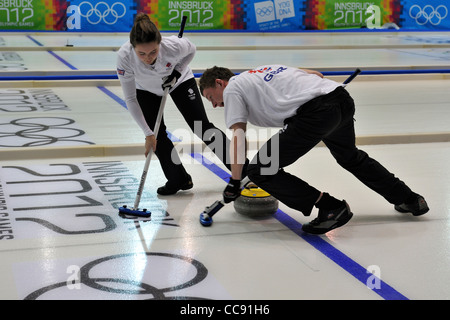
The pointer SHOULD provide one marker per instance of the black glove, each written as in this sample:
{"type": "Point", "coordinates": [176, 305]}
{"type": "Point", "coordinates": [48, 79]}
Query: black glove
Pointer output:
{"type": "Point", "coordinates": [232, 191]}
{"type": "Point", "coordinates": [169, 81]}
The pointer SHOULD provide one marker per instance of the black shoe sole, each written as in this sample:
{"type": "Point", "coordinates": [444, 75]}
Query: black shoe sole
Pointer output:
{"type": "Point", "coordinates": [163, 191]}
{"type": "Point", "coordinates": [322, 231]}
{"type": "Point", "coordinates": [417, 213]}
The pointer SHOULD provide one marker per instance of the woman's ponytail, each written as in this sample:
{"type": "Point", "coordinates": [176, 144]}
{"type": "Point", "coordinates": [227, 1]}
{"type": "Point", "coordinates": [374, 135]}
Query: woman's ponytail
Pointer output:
{"type": "Point", "coordinates": [144, 30]}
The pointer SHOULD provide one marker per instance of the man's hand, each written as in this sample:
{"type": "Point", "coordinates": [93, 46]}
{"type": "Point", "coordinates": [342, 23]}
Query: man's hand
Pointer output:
{"type": "Point", "coordinates": [232, 191]}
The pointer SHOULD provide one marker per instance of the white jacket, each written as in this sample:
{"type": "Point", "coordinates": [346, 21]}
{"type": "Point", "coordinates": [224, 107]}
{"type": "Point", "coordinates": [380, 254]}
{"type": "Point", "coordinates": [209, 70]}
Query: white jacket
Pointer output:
{"type": "Point", "coordinates": [268, 95]}
{"type": "Point", "coordinates": [175, 53]}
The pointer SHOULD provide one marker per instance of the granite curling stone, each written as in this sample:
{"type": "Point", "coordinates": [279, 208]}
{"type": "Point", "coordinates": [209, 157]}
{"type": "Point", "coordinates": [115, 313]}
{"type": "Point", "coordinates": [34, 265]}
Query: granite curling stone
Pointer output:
{"type": "Point", "coordinates": [255, 202]}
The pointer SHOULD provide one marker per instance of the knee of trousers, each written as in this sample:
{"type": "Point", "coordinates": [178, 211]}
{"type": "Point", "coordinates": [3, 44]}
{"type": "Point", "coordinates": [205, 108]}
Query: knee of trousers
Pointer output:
{"type": "Point", "coordinates": [352, 160]}
{"type": "Point", "coordinates": [254, 173]}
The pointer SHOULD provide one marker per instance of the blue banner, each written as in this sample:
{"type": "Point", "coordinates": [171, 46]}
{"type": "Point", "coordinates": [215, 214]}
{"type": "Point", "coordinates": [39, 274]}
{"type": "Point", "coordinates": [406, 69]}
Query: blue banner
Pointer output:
{"type": "Point", "coordinates": [100, 16]}
{"type": "Point", "coordinates": [425, 14]}
{"type": "Point", "coordinates": [273, 15]}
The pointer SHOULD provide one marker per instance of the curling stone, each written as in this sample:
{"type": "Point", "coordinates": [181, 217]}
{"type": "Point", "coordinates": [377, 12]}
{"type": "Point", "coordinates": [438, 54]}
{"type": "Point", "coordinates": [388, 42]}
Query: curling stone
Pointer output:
{"type": "Point", "coordinates": [254, 202]}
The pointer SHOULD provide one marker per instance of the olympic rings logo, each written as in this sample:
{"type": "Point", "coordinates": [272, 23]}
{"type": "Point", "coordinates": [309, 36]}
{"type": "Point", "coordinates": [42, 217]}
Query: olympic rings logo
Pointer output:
{"type": "Point", "coordinates": [129, 285]}
{"type": "Point", "coordinates": [102, 12]}
{"type": "Point", "coordinates": [40, 131]}
{"type": "Point", "coordinates": [265, 11]}
{"type": "Point", "coordinates": [428, 14]}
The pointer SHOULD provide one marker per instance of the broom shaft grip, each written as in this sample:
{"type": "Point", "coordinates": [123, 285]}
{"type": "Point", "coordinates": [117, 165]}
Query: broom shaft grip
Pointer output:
{"type": "Point", "coordinates": [352, 76]}
{"type": "Point", "coordinates": [183, 24]}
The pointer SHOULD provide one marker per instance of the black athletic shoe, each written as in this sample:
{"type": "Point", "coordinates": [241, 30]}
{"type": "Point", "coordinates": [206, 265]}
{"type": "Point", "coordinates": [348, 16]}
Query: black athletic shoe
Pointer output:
{"type": "Point", "coordinates": [167, 191]}
{"type": "Point", "coordinates": [417, 207]}
{"type": "Point", "coordinates": [329, 219]}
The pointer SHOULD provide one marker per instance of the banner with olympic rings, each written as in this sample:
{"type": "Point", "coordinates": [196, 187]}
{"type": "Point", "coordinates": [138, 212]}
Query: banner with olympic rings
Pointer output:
{"type": "Point", "coordinates": [100, 16]}
{"type": "Point", "coordinates": [276, 15]}
{"type": "Point", "coordinates": [426, 15]}
{"type": "Point", "coordinates": [234, 15]}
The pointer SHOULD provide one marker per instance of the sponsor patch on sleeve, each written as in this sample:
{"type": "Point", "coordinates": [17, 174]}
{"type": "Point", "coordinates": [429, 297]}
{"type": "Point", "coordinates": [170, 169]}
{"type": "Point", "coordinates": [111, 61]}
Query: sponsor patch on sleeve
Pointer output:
{"type": "Point", "coordinates": [120, 72]}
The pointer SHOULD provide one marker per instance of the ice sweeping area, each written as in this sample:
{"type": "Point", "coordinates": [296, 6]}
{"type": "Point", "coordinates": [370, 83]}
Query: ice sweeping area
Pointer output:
{"type": "Point", "coordinates": [71, 155]}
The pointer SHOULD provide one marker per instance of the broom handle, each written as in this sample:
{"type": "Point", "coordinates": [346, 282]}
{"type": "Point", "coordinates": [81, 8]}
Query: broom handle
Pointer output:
{"type": "Point", "coordinates": [352, 76]}
{"type": "Point", "coordinates": [183, 23]}
{"type": "Point", "coordinates": [149, 156]}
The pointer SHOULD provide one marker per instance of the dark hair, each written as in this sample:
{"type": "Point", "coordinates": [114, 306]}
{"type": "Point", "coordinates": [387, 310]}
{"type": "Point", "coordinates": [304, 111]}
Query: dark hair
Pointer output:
{"type": "Point", "coordinates": [208, 79]}
{"type": "Point", "coordinates": [144, 30]}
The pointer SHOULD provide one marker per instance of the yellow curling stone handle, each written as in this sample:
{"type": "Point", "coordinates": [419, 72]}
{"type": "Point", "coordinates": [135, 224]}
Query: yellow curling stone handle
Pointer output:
{"type": "Point", "coordinates": [253, 191]}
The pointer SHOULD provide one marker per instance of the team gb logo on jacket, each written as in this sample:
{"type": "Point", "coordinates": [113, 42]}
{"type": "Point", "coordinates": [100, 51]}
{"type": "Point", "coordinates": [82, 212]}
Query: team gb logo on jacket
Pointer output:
{"type": "Point", "coordinates": [268, 71]}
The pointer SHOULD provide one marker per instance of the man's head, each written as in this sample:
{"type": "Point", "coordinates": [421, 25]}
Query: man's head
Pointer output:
{"type": "Point", "coordinates": [213, 82]}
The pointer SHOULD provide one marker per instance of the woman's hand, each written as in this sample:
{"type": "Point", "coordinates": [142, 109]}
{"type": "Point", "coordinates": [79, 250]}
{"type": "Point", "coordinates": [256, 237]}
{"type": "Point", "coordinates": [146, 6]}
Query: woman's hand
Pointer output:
{"type": "Point", "coordinates": [150, 143]}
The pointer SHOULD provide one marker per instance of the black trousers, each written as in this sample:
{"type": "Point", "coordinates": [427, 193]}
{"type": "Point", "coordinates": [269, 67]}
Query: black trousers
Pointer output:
{"type": "Point", "coordinates": [328, 118]}
{"type": "Point", "coordinates": [188, 100]}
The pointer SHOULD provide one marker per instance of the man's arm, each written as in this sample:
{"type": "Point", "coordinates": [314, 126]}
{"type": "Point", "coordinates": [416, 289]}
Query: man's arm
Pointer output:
{"type": "Point", "coordinates": [238, 149]}
{"type": "Point", "coordinates": [237, 158]}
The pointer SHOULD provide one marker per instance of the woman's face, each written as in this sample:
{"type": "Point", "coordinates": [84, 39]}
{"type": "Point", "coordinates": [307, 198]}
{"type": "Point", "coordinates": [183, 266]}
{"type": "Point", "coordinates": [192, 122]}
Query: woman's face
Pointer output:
{"type": "Point", "coordinates": [147, 52]}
